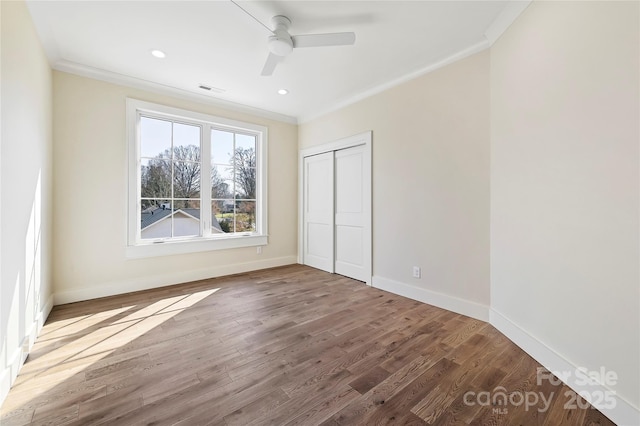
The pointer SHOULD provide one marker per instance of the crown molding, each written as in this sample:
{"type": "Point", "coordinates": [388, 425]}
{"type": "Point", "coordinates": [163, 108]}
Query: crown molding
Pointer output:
{"type": "Point", "coordinates": [137, 83]}
{"type": "Point", "coordinates": [503, 21]}
{"type": "Point", "coordinates": [509, 14]}
{"type": "Point", "coordinates": [478, 47]}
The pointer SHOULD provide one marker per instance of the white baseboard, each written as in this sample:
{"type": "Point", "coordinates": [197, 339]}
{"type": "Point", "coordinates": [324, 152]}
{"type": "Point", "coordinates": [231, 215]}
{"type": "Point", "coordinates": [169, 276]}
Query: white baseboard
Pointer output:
{"type": "Point", "coordinates": [622, 414]}
{"type": "Point", "coordinates": [15, 360]}
{"type": "Point", "coordinates": [5, 384]}
{"type": "Point", "coordinates": [444, 301]}
{"type": "Point", "coordinates": [8, 376]}
{"type": "Point", "coordinates": [44, 313]}
{"type": "Point", "coordinates": [154, 281]}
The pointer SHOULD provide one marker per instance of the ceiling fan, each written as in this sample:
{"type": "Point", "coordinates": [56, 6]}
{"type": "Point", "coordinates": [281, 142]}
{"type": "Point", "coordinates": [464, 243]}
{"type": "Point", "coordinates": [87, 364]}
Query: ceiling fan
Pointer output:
{"type": "Point", "coordinates": [281, 43]}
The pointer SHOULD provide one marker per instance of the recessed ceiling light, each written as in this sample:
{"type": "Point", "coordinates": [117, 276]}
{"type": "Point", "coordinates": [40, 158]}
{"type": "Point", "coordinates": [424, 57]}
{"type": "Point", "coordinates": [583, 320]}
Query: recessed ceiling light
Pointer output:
{"type": "Point", "coordinates": [283, 91]}
{"type": "Point", "coordinates": [158, 53]}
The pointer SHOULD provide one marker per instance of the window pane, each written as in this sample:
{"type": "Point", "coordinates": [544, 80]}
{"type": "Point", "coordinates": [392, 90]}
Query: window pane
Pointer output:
{"type": "Point", "coordinates": [245, 180]}
{"type": "Point", "coordinates": [186, 153]}
{"type": "Point", "coordinates": [186, 204]}
{"type": "Point", "coordinates": [225, 176]}
{"type": "Point", "coordinates": [185, 135]}
{"type": "Point", "coordinates": [155, 179]}
{"type": "Point", "coordinates": [221, 216]}
{"type": "Point", "coordinates": [186, 179]}
{"type": "Point", "coordinates": [246, 183]}
{"type": "Point", "coordinates": [221, 147]}
{"type": "Point", "coordinates": [155, 220]}
{"type": "Point", "coordinates": [152, 205]}
{"type": "Point", "coordinates": [155, 137]}
{"type": "Point", "coordinates": [221, 182]}
{"type": "Point", "coordinates": [245, 142]}
{"type": "Point", "coordinates": [246, 216]}
{"type": "Point", "coordinates": [228, 206]}
{"type": "Point", "coordinates": [244, 162]}
{"type": "Point", "coordinates": [186, 218]}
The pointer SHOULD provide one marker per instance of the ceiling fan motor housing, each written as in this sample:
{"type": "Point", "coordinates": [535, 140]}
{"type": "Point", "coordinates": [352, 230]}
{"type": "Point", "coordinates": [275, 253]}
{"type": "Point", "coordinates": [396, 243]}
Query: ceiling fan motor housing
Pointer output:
{"type": "Point", "coordinates": [280, 42]}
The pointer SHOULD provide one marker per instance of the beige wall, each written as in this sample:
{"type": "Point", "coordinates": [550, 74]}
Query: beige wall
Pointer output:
{"type": "Point", "coordinates": [25, 188]}
{"type": "Point", "coordinates": [430, 181]}
{"type": "Point", "coordinates": [564, 183]}
{"type": "Point", "coordinates": [90, 184]}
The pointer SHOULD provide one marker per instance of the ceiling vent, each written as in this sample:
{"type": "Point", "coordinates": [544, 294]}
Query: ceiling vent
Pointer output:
{"type": "Point", "coordinates": [211, 88]}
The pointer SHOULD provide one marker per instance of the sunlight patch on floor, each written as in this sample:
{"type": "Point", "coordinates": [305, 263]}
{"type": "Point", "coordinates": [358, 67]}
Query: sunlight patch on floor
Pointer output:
{"type": "Point", "coordinates": [69, 361]}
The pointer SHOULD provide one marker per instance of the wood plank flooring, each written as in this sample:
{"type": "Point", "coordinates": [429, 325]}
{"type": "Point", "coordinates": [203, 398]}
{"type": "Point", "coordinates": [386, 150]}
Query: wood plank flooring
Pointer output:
{"type": "Point", "coordinates": [285, 346]}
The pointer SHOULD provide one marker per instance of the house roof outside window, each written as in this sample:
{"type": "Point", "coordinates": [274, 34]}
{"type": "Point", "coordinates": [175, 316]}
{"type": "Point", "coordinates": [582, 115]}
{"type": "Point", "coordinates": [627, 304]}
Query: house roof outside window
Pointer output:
{"type": "Point", "coordinates": [150, 217]}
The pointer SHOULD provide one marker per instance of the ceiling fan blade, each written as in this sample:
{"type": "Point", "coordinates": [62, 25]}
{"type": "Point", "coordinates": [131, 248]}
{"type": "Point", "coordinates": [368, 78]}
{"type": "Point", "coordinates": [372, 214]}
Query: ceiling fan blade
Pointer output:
{"type": "Point", "coordinates": [270, 65]}
{"type": "Point", "coordinates": [318, 40]}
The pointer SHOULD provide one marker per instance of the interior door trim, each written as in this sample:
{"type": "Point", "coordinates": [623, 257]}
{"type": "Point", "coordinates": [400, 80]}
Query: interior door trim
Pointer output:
{"type": "Point", "coordinates": [365, 139]}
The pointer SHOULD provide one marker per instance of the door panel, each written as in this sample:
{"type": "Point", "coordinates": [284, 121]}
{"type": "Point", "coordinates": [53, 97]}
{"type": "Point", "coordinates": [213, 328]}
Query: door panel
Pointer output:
{"type": "Point", "coordinates": [318, 240]}
{"type": "Point", "coordinates": [318, 212]}
{"type": "Point", "coordinates": [350, 223]}
{"type": "Point", "coordinates": [349, 245]}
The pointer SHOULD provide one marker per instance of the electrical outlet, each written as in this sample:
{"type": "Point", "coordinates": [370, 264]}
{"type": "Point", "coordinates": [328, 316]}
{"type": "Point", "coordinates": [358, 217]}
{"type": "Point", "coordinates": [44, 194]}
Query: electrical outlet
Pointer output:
{"type": "Point", "coordinates": [259, 250]}
{"type": "Point", "coordinates": [416, 272]}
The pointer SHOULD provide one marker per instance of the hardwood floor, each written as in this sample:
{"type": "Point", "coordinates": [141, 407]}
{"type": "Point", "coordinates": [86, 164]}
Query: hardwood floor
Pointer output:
{"type": "Point", "coordinates": [286, 346]}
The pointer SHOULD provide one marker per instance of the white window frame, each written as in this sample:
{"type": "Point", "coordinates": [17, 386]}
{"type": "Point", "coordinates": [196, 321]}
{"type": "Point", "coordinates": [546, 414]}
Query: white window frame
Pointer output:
{"type": "Point", "coordinates": [136, 246]}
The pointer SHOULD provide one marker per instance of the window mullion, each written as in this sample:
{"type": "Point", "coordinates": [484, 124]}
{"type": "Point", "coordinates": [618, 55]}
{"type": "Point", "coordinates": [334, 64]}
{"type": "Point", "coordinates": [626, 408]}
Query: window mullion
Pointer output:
{"type": "Point", "coordinates": [205, 181]}
{"type": "Point", "coordinates": [233, 164]}
{"type": "Point", "coordinates": [173, 179]}
{"type": "Point", "coordinates": [138, 174]}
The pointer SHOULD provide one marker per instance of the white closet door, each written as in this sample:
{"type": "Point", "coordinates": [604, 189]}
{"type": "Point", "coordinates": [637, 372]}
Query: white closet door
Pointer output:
{"type": "Point", "coordinates": [352, 201]}
{"type": "Point", "coordinates": [318, 212]}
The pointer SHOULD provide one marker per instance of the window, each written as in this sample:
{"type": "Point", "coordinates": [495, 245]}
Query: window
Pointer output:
{"type": "Point", "coordinates": [196, 182]}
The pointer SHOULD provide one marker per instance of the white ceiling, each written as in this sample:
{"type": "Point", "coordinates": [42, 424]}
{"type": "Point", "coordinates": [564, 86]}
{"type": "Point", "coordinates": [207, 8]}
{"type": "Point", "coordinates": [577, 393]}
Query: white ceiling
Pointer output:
{"type": "Point", "coordinates": [217, 44]}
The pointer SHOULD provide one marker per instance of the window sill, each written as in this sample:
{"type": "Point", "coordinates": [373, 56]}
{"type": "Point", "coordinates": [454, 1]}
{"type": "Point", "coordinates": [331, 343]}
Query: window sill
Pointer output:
{"type": "Point", "coordinates": [170, 248]}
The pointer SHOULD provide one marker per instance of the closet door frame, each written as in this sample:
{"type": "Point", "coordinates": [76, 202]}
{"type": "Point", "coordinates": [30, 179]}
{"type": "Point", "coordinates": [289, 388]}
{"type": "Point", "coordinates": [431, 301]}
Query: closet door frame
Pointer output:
{"type": "Point", "coordinates": [364, 139]}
